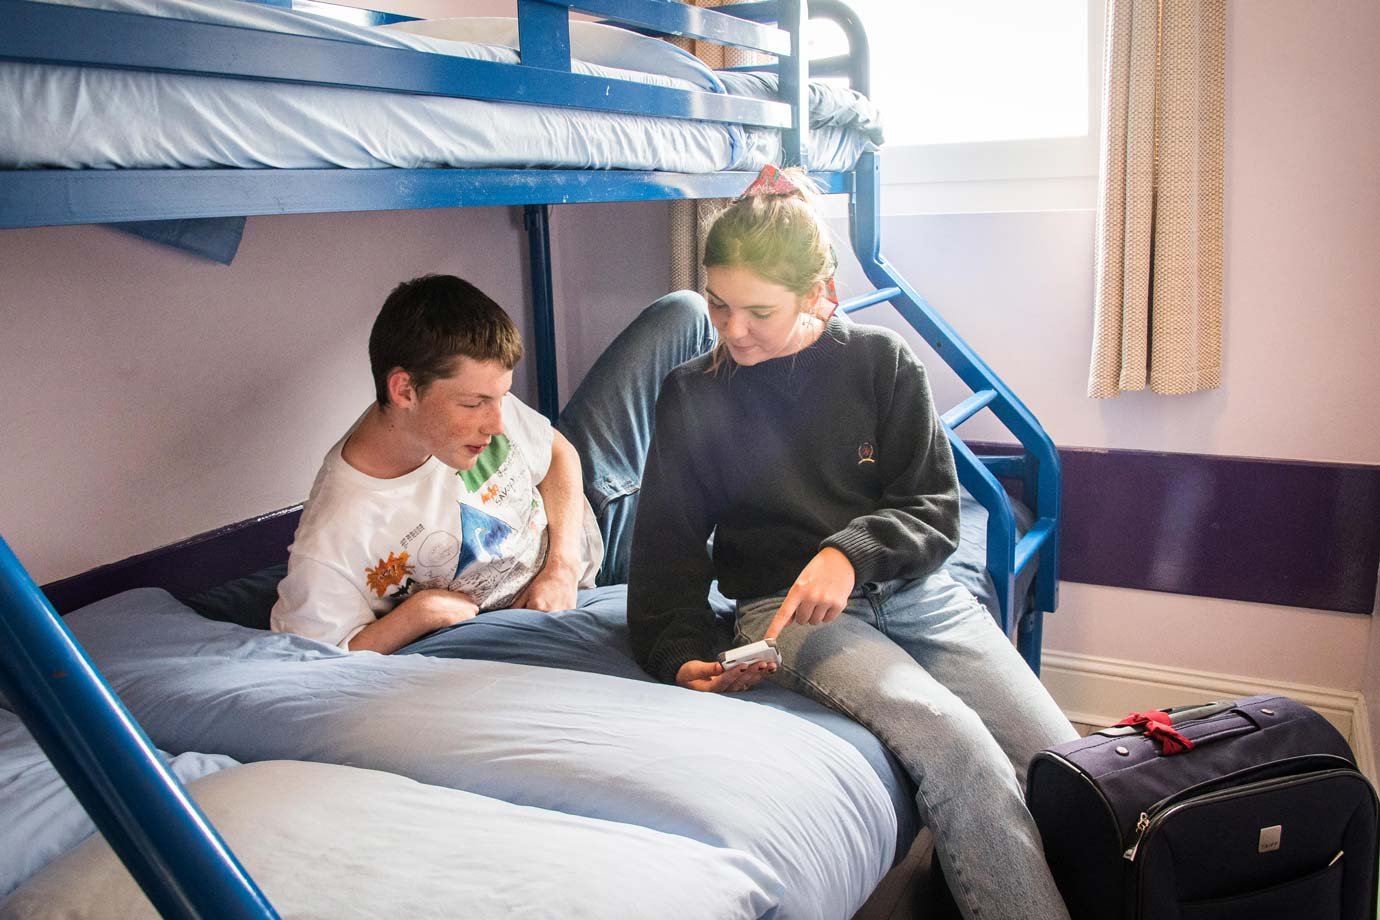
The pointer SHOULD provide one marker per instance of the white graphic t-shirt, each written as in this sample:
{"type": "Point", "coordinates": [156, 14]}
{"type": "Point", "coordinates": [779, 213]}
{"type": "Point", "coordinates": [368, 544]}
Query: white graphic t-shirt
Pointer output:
{"type": "Point", "coordinates": [365, 544]}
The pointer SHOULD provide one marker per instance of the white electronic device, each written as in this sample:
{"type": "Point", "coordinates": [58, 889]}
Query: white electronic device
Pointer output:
{"type": "Point", "coordinates": [750, 654]}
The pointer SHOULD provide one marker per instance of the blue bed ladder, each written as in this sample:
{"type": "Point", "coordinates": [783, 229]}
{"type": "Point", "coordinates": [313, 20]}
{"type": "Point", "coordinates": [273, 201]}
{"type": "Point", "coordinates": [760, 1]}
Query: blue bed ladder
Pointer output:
{"type": "Point", "coordinates": [168, 845]}
{"type": "Point", "coordinates": [1037, 466]}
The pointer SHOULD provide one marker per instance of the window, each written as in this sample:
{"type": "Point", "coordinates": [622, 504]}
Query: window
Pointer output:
{"type": "Point", "coordinates": [988, 104]}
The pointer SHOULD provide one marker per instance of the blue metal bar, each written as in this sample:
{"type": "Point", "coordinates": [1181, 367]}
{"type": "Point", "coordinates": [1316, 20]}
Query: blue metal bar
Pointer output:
{"type": "Point", "coordinates": [1001, 528]}
{"type": "Point", "coordinates": [536, 221]}
{"type": "Point", "coordinates": [544, 34]}
{"type": "Point", "coordinates": [794, 84]}
{"type": "Point", "coordinates": [969, 408]}
{"type": "Point", "coordinates": [47, 197]}
{"type": "Point", "coordinates": [54, 34]}
{"type": "Point", "coordinates": [866, 300]}
{"type": "Point", "coordinates": [1042, 468]}
{"type": "Point", "coordinates": [859, 56]}
{"type": "Point", "coordinates": [1028, 548]}
{"type": "Point", "coordinates": [164, 840]}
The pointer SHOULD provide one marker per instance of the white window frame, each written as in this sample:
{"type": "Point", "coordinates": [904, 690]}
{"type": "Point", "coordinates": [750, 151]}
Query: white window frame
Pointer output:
{"type": "Point", "coordinates": [1034, 174]}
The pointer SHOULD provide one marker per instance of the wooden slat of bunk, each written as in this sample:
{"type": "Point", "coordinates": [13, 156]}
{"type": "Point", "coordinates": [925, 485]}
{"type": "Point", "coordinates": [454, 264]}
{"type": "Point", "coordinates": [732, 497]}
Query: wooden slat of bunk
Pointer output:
{"type": "Point", "coordinates": [53, 34]}
{"type": "Point", "coordinates": [48, 197]}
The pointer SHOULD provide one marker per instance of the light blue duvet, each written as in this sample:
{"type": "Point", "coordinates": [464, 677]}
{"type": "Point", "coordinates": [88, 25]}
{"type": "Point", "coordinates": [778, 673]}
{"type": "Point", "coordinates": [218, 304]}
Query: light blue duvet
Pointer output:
{"type": "Point", "coordinates": [712, 768]}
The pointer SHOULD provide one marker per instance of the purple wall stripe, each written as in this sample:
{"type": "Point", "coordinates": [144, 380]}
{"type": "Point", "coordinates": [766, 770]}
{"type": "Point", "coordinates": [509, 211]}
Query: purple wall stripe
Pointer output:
{"type": "Point", "coordinates": [1270, 531]}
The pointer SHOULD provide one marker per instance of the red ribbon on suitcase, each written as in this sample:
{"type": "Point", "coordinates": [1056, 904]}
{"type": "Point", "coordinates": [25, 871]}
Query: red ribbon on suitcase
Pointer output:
{"type": "Point", "coordinates": [1159, 727]}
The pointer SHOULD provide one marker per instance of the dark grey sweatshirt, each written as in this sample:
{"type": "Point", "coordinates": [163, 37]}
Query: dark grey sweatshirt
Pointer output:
{"type": "Point", "coordinates": [837, 445]}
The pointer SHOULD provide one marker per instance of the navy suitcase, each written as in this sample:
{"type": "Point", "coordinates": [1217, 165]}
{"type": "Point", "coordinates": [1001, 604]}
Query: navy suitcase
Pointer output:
{"type": "Point", "coordinates": [1249, 809]}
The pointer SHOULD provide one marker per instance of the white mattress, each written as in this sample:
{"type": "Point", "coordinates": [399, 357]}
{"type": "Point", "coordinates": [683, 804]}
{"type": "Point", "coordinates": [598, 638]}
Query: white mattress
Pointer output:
{"type": "Point", "coordinates": [90, 118]}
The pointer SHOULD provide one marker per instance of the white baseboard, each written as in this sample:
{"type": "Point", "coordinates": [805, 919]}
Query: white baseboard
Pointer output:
{"type": "Point", "coordinates": [1101, 691]}
{"type": "Point", "coordinates": [1362, 741]}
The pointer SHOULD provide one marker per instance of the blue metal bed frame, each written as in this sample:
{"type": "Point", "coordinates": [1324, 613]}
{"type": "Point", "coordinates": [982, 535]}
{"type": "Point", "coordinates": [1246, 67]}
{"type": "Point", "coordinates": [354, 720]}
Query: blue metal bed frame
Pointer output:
{"type": "Point", "coordinates": [168, 845]}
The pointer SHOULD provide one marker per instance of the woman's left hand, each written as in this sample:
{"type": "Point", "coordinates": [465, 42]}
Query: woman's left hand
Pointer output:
{"type": "Point", "coordinates": [819, 594]}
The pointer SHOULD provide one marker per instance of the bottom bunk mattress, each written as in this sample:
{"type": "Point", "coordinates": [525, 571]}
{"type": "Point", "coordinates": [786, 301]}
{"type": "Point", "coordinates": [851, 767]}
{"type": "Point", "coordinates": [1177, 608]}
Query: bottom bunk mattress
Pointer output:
{"type": "Point", "coordinates": [718, 770]}
{"type": "Point", "coordinates": [322, 840]}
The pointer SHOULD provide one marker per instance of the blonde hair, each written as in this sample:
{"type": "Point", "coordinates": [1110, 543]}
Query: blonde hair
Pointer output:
{"type": "Point", "coordinates": [779, 237]}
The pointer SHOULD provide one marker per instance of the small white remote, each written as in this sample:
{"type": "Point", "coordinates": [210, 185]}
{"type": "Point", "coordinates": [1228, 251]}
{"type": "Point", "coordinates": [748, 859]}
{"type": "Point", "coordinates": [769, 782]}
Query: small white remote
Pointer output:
{"type": "Point", "coordinates": [750, 654]}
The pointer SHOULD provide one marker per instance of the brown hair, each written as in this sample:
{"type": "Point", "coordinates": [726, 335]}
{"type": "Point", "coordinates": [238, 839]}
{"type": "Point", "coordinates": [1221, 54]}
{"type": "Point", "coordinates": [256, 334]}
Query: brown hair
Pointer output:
{"type": "Point", "coordinates": [428, 322]}
{"type": "Point", "coordinates": [781, 238]}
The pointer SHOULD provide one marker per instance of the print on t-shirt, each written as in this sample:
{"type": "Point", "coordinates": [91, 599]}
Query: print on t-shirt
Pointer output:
{"type": "Point", "coordinates": [493, 546]}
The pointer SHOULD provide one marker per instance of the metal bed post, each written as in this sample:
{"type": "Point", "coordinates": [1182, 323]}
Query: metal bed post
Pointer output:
{"type": "Point", "coordinates": [536, 220]}
{"type": "Point", "coordinates": [1007, 557]}
{"type": "Point", "coordinates": [164, 840]}
{"type": "Point", "coordinates": [793, 72]}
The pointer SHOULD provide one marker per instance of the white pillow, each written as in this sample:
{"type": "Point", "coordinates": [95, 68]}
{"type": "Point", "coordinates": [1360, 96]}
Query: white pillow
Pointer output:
{"type": "Point", "coordinates": [591, 42]}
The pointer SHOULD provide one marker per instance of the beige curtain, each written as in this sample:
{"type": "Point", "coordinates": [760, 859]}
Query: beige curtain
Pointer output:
{"type": "Point", "coordinates": [1158, 299]}
{"type": "Point", "coordinates": [690, 219]}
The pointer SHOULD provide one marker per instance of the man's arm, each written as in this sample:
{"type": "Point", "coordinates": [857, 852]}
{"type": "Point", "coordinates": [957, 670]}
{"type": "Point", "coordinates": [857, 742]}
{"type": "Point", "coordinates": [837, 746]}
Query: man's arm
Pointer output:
{"type": "Point", "coordinates": [562, 493]}
{"type": "Point", "coordinates": [422, 613]}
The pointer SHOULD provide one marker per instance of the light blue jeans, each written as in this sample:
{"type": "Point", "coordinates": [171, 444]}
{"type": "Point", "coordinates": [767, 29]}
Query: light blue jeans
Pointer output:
{"type": "Point", "coordinates": [610, 417]}
{"type": "Point", "coordinates": [925, 668]}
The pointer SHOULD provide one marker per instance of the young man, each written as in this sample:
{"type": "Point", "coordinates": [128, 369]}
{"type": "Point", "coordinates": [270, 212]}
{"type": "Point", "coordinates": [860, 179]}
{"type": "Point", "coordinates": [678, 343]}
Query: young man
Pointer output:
{"type": "Point", "coordinates": [449, 497]}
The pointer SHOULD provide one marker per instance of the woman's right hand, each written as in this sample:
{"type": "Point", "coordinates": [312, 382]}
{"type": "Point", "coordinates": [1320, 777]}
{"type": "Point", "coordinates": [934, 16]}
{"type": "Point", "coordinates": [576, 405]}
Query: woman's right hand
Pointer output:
{"type": "Point", "coordinates": [710, 676]}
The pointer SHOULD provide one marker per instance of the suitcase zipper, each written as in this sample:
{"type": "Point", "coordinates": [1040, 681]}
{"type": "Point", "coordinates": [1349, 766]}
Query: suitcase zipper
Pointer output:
{"type": "Point", "coordinates": [1151, 820]}
{"type": "Point", "coordinates": [1168, 801]}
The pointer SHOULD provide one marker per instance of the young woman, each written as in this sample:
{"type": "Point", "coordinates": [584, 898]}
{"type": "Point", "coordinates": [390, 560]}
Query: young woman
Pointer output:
{"type": "Point", "coordinates": [810, 449]}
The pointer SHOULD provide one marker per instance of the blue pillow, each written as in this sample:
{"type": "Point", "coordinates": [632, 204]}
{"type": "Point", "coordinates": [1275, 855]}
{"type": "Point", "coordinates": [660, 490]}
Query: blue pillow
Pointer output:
{"type": "Point", "coordinates": [244, 601]}
{"type": "Point", "coordinates": [40, 818]}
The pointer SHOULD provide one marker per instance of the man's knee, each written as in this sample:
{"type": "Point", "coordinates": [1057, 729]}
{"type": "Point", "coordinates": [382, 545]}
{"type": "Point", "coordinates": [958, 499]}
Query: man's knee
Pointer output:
{"type": "Point", "coordinates": [681, 313]}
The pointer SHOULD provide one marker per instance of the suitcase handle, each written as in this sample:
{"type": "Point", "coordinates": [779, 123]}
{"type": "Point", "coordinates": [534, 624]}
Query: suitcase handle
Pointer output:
{"type": "Point", "coordinates": [1165, 731]}
{"type": "Point", "coordinates": [1179, 714]}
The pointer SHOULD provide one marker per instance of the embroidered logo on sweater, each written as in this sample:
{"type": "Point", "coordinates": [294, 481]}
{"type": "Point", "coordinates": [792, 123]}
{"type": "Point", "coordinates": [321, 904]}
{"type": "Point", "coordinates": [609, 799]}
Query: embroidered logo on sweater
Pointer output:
{"type": "Point", "coordinates": [865, 452]}
{"type": "Point", "coordinates": [387, 573]}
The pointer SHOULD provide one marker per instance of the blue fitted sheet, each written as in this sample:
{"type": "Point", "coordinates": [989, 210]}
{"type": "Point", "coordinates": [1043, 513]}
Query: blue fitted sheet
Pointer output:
{"type": "Point", "coordinates": [716, 769]}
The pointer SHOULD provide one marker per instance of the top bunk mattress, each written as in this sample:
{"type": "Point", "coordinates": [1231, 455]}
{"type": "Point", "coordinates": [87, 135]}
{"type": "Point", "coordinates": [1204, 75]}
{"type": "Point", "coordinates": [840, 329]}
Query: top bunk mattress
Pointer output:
{"type": "Point", "coordinates": [67, 117]}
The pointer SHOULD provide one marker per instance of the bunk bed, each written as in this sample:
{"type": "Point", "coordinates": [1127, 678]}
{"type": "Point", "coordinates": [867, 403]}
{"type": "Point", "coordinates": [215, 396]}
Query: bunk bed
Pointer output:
{"type": "Point", "coordinates": [62, 688]}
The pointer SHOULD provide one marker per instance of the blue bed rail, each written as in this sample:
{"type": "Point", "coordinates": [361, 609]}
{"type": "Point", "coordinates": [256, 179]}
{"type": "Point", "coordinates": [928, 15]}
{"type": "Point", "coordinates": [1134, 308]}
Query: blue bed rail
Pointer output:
{"type": "Point", "coordinates": [169, 847]}
{"type": "Point", "coordinates": [173, 852]}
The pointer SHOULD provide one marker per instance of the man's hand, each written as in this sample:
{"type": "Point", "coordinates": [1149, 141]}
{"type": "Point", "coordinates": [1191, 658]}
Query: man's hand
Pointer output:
{"type": "Point", "coordinates": [422, 613]}
{"type": "Point", "coordinates": [819, 594]}
{"type": "Point", "coordinates": [710, 676]}
{"type": "Point", "coordinates": [554, 588]}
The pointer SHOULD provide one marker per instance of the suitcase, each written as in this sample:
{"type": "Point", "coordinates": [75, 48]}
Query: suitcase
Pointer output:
{"type": "Point", "coordinates": [1249, 809]}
